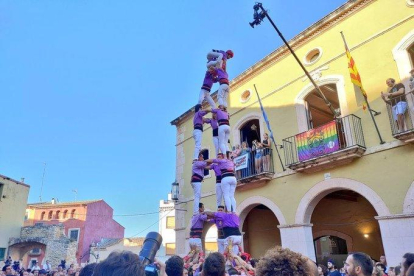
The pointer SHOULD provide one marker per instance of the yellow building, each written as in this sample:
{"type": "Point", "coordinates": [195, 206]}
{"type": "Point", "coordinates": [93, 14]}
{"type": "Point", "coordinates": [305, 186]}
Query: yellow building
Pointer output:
{"type": "Point", "coordinates": [13, 200]}
{"type": "Point", "coordinates": [352, 193]}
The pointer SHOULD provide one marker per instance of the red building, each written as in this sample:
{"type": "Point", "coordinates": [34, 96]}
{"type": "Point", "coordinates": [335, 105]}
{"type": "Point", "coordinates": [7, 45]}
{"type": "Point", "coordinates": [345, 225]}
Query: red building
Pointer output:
{"type": "Point", "coordinates": [87, 222]}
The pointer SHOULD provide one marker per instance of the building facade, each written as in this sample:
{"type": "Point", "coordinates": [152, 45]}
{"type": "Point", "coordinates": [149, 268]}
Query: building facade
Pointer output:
{"type": "Point", "coordinates": [13, 200]}
{"type": "Point", "coordinates": [340, 188]}
{"type": "Point", "coordinates": [86, 222]}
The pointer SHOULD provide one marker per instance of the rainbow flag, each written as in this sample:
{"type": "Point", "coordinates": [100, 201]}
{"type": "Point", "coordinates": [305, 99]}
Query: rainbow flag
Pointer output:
{"type": "Point", "coordinates": [317, 142]}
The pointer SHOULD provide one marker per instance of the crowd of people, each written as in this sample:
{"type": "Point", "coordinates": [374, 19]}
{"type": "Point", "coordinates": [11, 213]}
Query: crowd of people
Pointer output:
{"type": "Point", "coordinates": [277, 261]}
{"type": "Point", "coordinates": [15, 268]}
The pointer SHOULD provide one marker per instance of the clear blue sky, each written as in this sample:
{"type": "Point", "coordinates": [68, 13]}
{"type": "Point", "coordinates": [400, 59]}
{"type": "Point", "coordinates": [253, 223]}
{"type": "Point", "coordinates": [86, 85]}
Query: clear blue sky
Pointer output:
{"type": "Point", "coordinates": [90, 88]}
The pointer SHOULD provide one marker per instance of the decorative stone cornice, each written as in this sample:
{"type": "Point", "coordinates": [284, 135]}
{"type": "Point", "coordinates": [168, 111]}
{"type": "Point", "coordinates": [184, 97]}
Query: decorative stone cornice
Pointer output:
{"type": "Point", "coordinates": [397, 216]}
{"type": "Point", "coordinates": [295, 225]}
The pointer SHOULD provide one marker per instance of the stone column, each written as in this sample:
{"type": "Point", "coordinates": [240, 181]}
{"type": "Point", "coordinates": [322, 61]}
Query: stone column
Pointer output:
{"type": "Point", "coordinates": [298, 238]}
{"type": "Point", "coordinates": [397, 232]}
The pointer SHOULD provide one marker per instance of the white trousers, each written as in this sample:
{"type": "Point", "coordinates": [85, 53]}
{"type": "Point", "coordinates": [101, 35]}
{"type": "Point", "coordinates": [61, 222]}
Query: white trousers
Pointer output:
{"type": "Point", "coordinates": [198, 136]}
{"type": "Point", "coordinates": [197, 194]}
{"type": "Point", "coordinates": [228, 186]}
{"type": "Point", "coordinates": [204, 94]}
{"type": "Point", "coordinates": [219, 194]}
{"type": "Point", "coordinates": [236, 241]}
{"type": "Point", "coordinates": [224, 135]}
{"type": "Point", "coordinates": [195, 242]}
{"type": "Point", "coordinates": [223, 93]}
{"type": "Point", "coordinates": [216, 144]}
{"type": "Point", "coordinates": [221, 245]}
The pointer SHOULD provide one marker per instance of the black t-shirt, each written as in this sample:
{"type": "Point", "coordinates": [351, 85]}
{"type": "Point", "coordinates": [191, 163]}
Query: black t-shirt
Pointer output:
{"type": "Point", "coordinates": [397, 99]}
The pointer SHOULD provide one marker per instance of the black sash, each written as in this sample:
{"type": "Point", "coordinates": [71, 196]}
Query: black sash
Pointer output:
{"type": "Point", "coordinates": [231, 231]}
{"type": "Point", "coordinates": [196, 233]}
{"type": "Point", "coordinates": [196, 178]}
{"type": "Point", "coordinates": [223, 122]}
{"type": "Point", "coordinates": [198, 126]}
{"type": "Point", "coordinates": [215, 132]}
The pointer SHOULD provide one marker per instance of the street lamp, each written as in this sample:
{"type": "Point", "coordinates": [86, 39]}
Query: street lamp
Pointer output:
{"type": "Point", "coordinates": [175, 191]}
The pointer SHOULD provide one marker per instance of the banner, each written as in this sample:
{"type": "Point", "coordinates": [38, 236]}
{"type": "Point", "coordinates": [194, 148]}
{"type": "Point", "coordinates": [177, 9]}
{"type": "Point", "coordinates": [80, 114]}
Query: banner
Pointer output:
{"type": "Point", "coordinates": [241, 161]}
{"type": "Point", "coordinates": [317, 142]}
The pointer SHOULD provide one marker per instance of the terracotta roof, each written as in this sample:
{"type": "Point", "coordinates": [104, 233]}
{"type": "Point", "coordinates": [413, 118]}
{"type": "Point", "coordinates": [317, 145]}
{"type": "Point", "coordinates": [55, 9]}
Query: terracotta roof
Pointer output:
{"type": "Point", "coordinates": [70, 203]}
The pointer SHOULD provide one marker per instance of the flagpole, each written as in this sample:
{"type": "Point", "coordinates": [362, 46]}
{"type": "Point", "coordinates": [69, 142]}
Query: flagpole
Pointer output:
{"type": "Point", "coordinates": [366, 99]}
{"type": "Point", "coordinates": [258, 19]}
{"type": "Point", "coordinates": [271, 136]}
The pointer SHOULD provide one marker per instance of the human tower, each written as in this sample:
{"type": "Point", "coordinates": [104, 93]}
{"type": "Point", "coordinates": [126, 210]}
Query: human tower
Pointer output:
{"type": "Point", "coordinates": [227, 222]}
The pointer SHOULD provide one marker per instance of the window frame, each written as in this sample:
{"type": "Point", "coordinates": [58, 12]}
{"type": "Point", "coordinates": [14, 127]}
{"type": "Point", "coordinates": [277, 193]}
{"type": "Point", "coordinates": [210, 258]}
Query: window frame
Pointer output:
{"type": "Point", "coordinates": [166, 222]}
{"type": "Point", "coordinates": [74, 229]}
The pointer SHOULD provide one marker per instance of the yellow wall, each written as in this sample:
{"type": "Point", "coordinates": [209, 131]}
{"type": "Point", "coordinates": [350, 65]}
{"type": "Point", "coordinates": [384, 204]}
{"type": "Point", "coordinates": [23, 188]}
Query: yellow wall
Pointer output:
{"type": "Point", "coordinates": [12, 210]}
{"type": "Point", "coordinates": [375, 30]}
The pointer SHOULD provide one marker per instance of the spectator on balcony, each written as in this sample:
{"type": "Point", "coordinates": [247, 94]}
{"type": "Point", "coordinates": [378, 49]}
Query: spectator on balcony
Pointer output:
{"type": "Point", "coordinates": [246, 150]}
{"type": "Point", "coordinates": [258, 150]}
{"type": "Point", "coordinates": [266, 153]}
{"type": "Point", "coordinates": [396, 98]}
{"type": "Point", "coordinates": [236, 151]}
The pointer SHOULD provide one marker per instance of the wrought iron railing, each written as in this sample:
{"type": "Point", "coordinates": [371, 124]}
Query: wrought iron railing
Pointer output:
{"type": "Point", "coordinates": [337, 135]}
{"type": "Point", "coordinates": [258, 163]}
{"type": "Point", "coordinates": [399, 113]}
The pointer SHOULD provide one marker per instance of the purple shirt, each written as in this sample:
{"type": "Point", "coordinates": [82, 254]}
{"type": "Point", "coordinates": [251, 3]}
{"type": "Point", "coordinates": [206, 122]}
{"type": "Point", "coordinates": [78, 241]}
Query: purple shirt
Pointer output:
{"type": "Point", "coordinates": [198, 167]}
{"type": "Point", "coordinates": [221, 115]}
{"type": "Point", "coordinates": [212, 122]}
{"type": "Point", "coordinates": [209, 80]}
{"type": "Point", "coordinates": [197, 221]}
{"type": "Point", "coordinates": [224, 164]}
{"type": "Point", "coordinates": [221, 74]}
{"type": "Point", "coordinates": [198, 117]}
{"type": "Point", "coordinates": [216, 169]}
{"type": "Point", "coordinates": [228, 219]}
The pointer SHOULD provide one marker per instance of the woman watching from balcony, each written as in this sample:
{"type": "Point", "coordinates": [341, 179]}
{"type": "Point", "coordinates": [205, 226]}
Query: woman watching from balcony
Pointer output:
{"type": "Point", "coordinates": [246, 150]}
{"type": "Point", "coordinates": [258, 150]}
{"type": "Point", "coordinates": [266, 153]}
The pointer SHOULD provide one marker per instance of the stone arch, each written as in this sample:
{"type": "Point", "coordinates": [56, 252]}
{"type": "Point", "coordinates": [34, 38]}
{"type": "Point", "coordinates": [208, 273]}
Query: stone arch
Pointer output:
{"type": "Point", "coordinates": [248, 204]}
{"type": "Point", "coordinates": [249, 116]}
{"type": "Point", "coordinates": [338, 80]}
{"type": "Point", "coordinates": [408, 207]}
{"type": "Point", "coordinates": [347, 238]}
{"type": "Point", "coordinates": [323, 188]}
{"type": "Point", "coordinates": [401, 57]}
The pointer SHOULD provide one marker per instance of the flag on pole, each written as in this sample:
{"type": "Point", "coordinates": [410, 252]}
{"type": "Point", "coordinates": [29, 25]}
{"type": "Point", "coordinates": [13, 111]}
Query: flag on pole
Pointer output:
{"type": "Point", "coordinates": [355, 77]}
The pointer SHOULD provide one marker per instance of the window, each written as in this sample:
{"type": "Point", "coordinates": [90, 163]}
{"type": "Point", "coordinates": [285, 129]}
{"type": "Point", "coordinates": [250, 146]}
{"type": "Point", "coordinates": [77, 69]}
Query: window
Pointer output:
{"type": "Point", "coordinates": [73, 234]}
{"type": "Point", "coordinates": [170, 248]}
{"type": "Point", "coordinates": [42, 216]}
{"type": "Point", "coordinates": [245, 96]}
{"type": "Point", "coordinates": [328, 246]}
{"type": "Point", "coordinates": [318, 113]}
{"type": "Point", "coordinates": [2, 252]}
{"type": "Point", "coordinates": [170, 222]}
{"type": "Point", "coordinates": [65, 214]}
{"type": "Point", "coordinates": [72, 214]}
{"type": "Point", "coordinates": [250, 131]}
{"type": "Point", "coordinates": [50, 216]}
{"type": "Point", "coordinates": [26, 216]}
{"type": "Point", "coordinates": [313, 56]}
{"type": "Point", "coordinates": [57, 214]}
{"type": "Point", "coordinates": [35, 251]}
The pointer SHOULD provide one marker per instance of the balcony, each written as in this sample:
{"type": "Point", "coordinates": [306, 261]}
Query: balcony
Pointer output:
{"type": "Point", "coordinates": [254, 168]}
{"type": "Point", "coordinates": [327, 146]}
{"type": "Point", "coordinates": [400, 115]}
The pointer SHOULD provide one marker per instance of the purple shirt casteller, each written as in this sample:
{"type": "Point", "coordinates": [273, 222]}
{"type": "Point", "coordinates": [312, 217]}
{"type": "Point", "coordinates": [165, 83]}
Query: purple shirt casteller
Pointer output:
{"type": "Point", "coordinates": [198, 167]}
{"type": "Point", "coordinates": [224, 164]}
{"type": "Point", "coordinates": [213, 123]}
{"type": "Point", "coordinates": [221, 115]}
{"type": "Point", "coordinates": [228, 219]}
{"type": "Point", "coordinates": [197, 221]}
{"type": "Point", "coordinates": [216, 169]}
{"type": "Point", "coordinates": [198, 119]}
{"type": "Point", "coordinates": [209, 80]}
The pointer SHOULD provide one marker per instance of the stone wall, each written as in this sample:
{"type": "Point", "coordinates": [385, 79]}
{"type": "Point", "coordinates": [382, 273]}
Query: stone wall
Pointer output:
{"type": "Point", "coordinates": [58, 246]}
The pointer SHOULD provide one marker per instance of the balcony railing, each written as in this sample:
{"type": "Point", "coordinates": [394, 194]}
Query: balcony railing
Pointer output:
{"type": "Point", "coordinates": [255, 165]}
{"type": "Point", "coordinates": [401, 117]}
{"type": "Point", "coordinates": [329, 145]}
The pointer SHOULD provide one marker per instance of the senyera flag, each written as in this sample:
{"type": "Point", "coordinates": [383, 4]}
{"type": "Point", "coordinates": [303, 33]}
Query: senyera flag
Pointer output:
{"type": "Point", "coordinates": [355, 77]}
